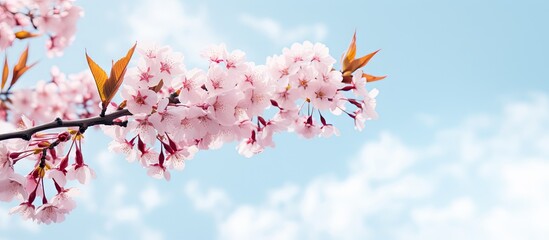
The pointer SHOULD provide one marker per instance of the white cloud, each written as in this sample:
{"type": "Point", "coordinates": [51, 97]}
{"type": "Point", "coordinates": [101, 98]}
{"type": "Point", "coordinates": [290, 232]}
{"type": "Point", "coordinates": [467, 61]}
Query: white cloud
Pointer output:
{"type": "Point", "coordinates": [127, 214]}
{"type": "Point", "coordinates": [13, 223]}
{"type": "Point", "coordinates": [151, 198]}
{"type": "Point", "coordinates": [118, 204]}
{"type": "Point", "coordinates": [174, 23]}
{"type": "Point", "coordinates": [487, 178]}
{"type": "Point", "coordinates": [328, 206]}
{"type": "Point", "coordinates": [211, 200]}
{"type": "Point", "coordinates": [4, 219]}
{"type": "Point", "coordinates": [119, 212]}
{"type": "Point", "coordinates": [283, 35]}
{"type": "Point", "coordinates": [267, 224]}
{"type": "Point", "coordinates": [151, 234]}
{"type": "Point", "coordinates": [29, 226]}
{"type": "Point", "coordinates": [427, 119]}
{"type": "Point", "coordinates": [283, 195]}
{"type": "Point", "coordinates": [105, 162]}
{"type": "Point", "coordinates": [384, 159]}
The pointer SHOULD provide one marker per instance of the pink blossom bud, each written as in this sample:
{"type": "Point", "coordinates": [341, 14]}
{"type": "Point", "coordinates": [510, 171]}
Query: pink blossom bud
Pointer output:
{"type": "Point", "coordinates": [64, 136]}
{"type": "Point", "coordinates": [78, 158]}
{"type": "Point", "coordinates": [14, 155]}
{"type": "Point", "coordinates": [44, 144]}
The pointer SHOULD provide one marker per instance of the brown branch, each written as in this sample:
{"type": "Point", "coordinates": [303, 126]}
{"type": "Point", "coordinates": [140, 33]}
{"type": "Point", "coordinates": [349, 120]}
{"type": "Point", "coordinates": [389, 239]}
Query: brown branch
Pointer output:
{"type": "Point", "coordinates": [82, 124]}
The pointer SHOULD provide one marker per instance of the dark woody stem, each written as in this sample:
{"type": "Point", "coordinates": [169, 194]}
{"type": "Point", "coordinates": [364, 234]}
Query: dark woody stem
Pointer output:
{"type": "Point", "coordinates": [82, 124]}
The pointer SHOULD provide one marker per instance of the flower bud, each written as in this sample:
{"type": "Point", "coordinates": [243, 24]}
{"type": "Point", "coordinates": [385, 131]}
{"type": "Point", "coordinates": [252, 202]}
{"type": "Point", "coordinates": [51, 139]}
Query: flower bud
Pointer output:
{"type": "Point", "coordinates": [43, 144]}
{"type": "Point", "coordinates": [64, 136]}
{"type": "Point", "coordinates": [14, 155]}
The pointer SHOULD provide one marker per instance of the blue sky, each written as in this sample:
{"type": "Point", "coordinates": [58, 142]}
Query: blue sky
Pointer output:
{"type": "Point", "coordinates": [460, 151]}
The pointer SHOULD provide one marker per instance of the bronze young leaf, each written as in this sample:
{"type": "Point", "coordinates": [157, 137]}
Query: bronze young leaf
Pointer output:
{"type": "Point", "coordinates": [108, 86]}
{"type": "Point", "coordinates": [5, 72]}
{"type": "Point", "coordinates": [21, 67]}
{"type": "Point", "coordinates": [349, 64]}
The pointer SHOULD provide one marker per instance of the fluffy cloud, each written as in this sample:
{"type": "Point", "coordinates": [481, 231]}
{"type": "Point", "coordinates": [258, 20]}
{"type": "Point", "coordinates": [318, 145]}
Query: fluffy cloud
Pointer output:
{"type": "Point", "coordinates": [486, 178]}
{"type": "Point", "coordinates": [151, 198]}
{"type": "Point", "coordinates": [122, 205]}
{"type": "Point", "coordinates": [187, 30]}
{"type": "Point", "coordinates": [282, 35]}
{"type": "Point", "coordinates": [213, 200]}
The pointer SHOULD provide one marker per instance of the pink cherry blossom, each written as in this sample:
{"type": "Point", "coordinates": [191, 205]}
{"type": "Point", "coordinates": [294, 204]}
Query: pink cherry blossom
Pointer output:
{"type": "Point", "coordinates": [32, 185]}
{"type": "Point", "coordinates": [177, 159]}
{"type": "Point", "coordinates": [56, 175]}
{"type": "Point", "coordinates": [265, 134]}
{"type": "Point", "coordinates": [256, 99]}
{"type": "Point", "coordinates": [359, 119]}
{"type": "Point", "coordinates": [6, 164]}
{"type": "Point", "coordinates": [64, 199]}
{"type": "Point", "coordinates": [190, 85]}
{"type": "Point", "coordinates": [152, 52]}
{"type": "Point", "coordinates": [6, 35]}
{"type": "Point", "coordinates": [223, 106]}
{"type": "Point", "coordinates": [286, 96]}
{"type": "Point", "coordinates": [13, 187]}
{"type": "Point", "coordinates": [323, 95]}
{"type": "Point", "coordinates": [143, 127]}
{"type": "Point", "coordinates": [235, 61]}
{"type": "Point", "coordinates": [306, 128]}
{"type": "Point", "coordinates": [358, 84]}
{"type": "Point", "coordinates": [170, 65]}
{"type": "Point", "coordinates": [164, 119]}
{"type": "Point", "coordinates": [82, 173]}
{"type": "Point", "coordinates": [146, 74]}
{"type": "Point", "coordinates": [139, 100]}
{"type": "Point", "coordinates": [249, 147]}
{"type": "Point", "coordinates": [158, 172]}
{"type": "Point", "coordinates": [26, 210]}
{"type": "Point", "coordinates": [218, 81]}
{"type": "Point", "coordinates": [50, 213]}
{"type": "Point", "coordinates": [328, 131]}
{"type": "Point", "coordinates": [125, 147]}
{"type": "Point", "coordinates": [369, 104]}
{"type": "Point", "coordinates": [215, 53]}
{"type": "Point", "coordinates": [297, 56]}
{"type": "Point", "coordinates": [146, 155]}
{"type": "Point", "coordinates": [321, 58]}
{"type": "Point", "coordinates": [302, 79]}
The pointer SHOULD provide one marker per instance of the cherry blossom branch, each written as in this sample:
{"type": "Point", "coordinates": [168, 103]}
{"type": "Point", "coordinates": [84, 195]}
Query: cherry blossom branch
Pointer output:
{"type": "Point", "coordinates": [83, 124]}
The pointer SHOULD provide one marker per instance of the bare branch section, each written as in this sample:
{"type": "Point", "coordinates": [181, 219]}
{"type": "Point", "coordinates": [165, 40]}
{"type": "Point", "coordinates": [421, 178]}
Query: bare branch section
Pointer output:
{"type": "Point", "coordinates": [82, 124]}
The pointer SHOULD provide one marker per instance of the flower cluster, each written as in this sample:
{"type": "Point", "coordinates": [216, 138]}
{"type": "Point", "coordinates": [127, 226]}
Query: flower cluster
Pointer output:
{"type": "Point", "coordinates": [167, 113]}
{"type": "Point", "coordinates": [54, 18]}
{"type": "Point", "coordinates": [176, 112]}
{"type": "Point", "coordinates": [67, 97]}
